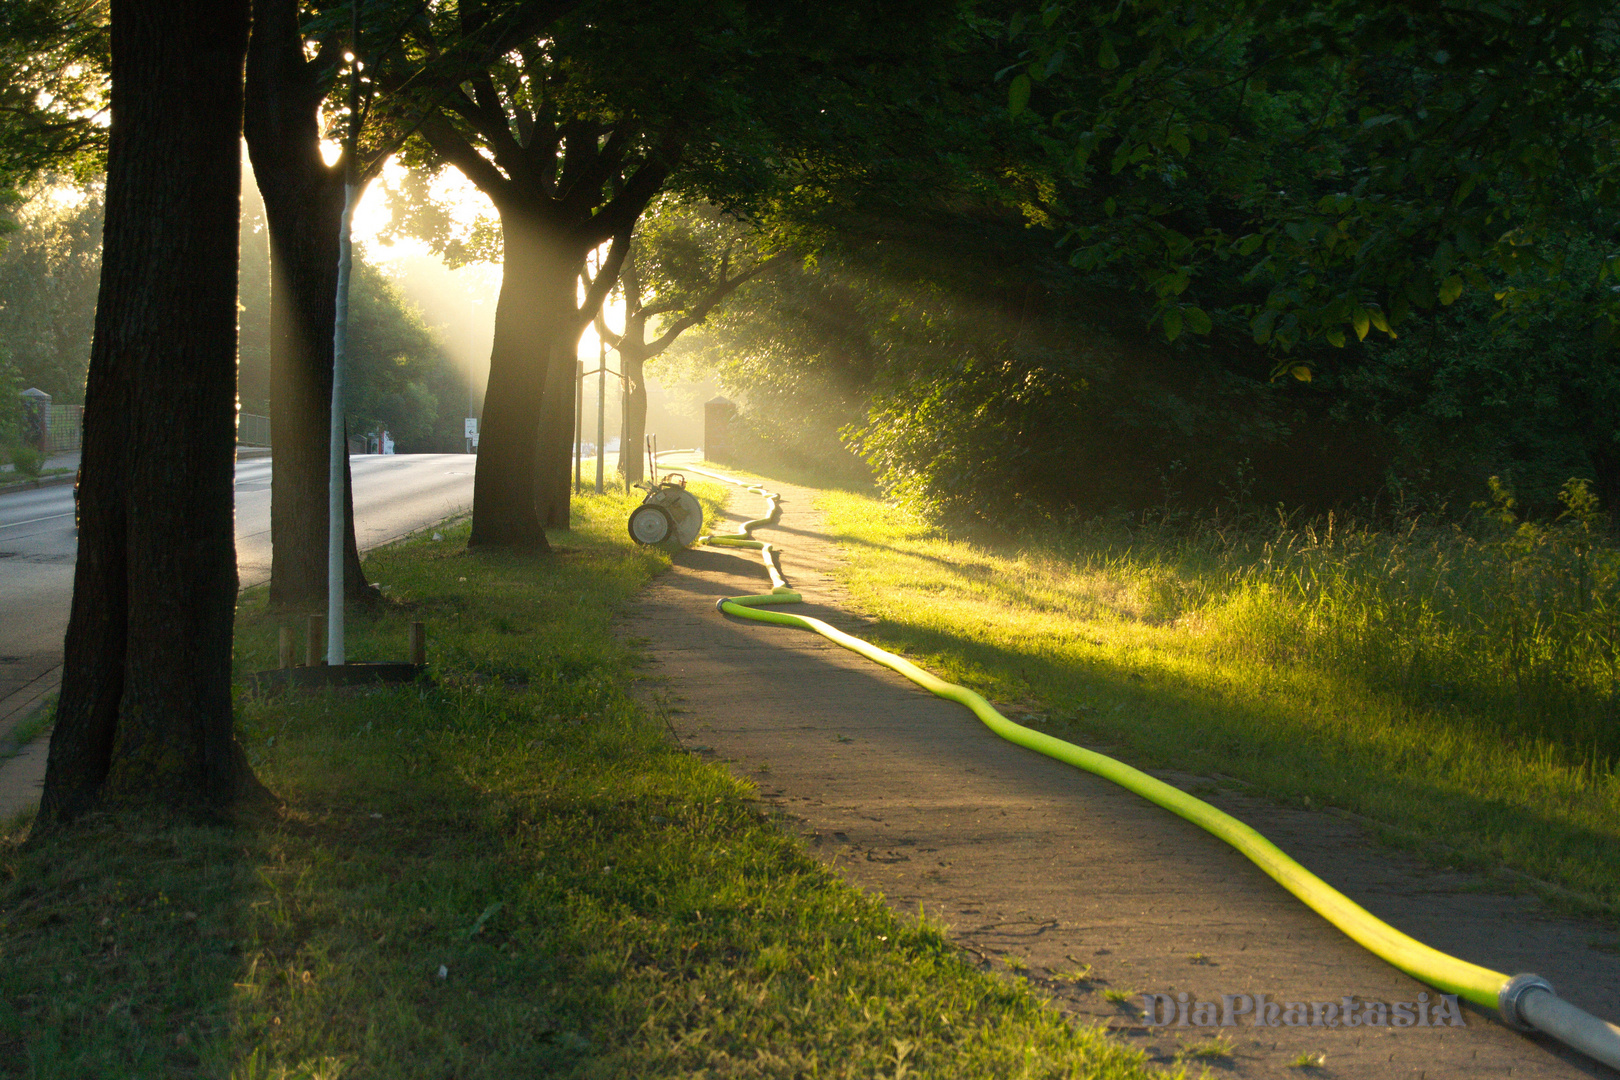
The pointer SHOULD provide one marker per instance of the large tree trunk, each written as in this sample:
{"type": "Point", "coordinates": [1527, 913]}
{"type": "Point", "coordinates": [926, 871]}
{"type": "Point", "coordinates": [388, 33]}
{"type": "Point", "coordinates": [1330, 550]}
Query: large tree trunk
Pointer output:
{"type": "Point", "coordinates": [145, 708]}
{"type": "Point", "coordinates": [303, 200]}
{"type": "Point", "coordinates": [534, 321]}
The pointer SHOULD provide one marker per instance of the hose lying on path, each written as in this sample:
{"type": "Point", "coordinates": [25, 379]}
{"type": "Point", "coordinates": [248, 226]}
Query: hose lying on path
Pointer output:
{"type": "Point", "coordinates": [1525, 1002]}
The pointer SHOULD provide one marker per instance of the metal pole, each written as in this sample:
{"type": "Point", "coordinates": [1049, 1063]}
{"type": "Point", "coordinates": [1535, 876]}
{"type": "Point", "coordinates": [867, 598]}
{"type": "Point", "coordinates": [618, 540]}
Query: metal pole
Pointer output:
{"type": "Point", "coordinates": [579, 423]}
{"type": "Point", "coordinates": [624, 424]}
{"type": "Point", "coordinates": [339, 441]}
{"type": "Point", "coordinates": [601, 409]}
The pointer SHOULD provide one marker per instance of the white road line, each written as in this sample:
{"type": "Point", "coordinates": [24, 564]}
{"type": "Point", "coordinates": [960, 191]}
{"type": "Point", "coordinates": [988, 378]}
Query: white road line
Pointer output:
{"type": "Point", "coordinates": [30, 521]}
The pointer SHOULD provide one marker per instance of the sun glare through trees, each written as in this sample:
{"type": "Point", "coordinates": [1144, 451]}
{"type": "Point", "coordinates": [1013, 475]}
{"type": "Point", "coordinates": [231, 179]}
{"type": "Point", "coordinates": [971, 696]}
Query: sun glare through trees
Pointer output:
{"type": "Point", "coordinates": [1235, 385]}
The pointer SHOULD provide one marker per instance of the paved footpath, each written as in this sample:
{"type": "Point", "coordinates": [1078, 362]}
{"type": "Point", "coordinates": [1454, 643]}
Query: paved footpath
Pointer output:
{"type": "Point", "coordinates": [1036, 867]}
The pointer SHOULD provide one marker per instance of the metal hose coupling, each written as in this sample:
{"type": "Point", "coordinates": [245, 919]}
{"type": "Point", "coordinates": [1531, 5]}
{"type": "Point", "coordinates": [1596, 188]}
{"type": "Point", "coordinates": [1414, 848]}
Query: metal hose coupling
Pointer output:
{"type": "Point", "coordinates": [1509, 997]}
{"type": "Point", "coordinates": [1529, 1003]}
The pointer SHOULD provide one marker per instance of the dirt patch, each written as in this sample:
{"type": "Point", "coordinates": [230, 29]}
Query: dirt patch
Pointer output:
{"type": "Point", "coordinates": [1046, 873]}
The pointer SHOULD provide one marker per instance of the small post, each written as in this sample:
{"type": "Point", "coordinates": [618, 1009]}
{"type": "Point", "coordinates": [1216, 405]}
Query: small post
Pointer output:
{"type": "Point", "coordinates": [579, 423]}
{"type": "Point", "coordinates": [285, 647]}
{"type": "Point", "coordinates": [419, 644]}
{"type": "Point", "coordinates": [601, 406]}
{"type": "Point", "coordinates": [314, 641]}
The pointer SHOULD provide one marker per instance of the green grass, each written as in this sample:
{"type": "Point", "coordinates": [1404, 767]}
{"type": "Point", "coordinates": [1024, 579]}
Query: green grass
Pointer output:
{"type": "Point", "coordinates": [509, 872]}
{"type": "Point", "coordinates": [1211, 1049]}
{"type": "Point", "coordinates": [31, 728]}
{"type": "Point", "coordinates": [1458, 691]}
{"type": "Point", "coordinates": [11, 476]}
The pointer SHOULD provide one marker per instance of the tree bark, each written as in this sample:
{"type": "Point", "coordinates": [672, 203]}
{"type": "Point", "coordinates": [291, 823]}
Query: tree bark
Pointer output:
{"type": "Point", "coordinates": [145, 714]}
{"type": "Point", "coordinates": [633, 362]}
{"type": "Point", "coordinates": [303, 200]}
{"type": "Point", "coordinates": [554, 485]}
{"type": "Point", "coordinates": [534, 320]}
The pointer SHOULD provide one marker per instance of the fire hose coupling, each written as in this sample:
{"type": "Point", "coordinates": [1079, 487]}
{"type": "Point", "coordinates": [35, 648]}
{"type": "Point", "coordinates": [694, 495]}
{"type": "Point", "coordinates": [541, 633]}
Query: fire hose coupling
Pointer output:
{"type": "Point", "coordinates": [1512, 992]}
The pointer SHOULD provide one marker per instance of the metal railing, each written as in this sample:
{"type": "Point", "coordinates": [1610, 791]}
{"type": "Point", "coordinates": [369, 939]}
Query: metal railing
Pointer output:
{"type": "Point", "coordinates": [62, 428]}
{"type": "Point", "coordinates": [252, 430]}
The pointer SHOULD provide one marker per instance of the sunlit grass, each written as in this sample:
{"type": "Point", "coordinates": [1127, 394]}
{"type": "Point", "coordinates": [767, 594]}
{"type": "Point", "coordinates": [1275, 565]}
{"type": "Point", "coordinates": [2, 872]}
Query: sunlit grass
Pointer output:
{"type": "Point", "coordinates": [510, 871]}
{"type": "Point", "coordinates": [1377, 674]}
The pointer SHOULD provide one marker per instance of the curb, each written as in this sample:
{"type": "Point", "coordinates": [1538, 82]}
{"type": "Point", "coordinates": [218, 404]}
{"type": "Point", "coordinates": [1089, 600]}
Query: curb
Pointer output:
{"type": "Point", "coordinates": [242, 453]}
{"type": "Point", "coordinates": [29, 485]}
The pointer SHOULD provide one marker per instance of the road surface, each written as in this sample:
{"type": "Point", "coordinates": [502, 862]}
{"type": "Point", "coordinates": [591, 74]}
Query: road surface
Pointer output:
{"type": "Point", "coordinates": [393, 495]}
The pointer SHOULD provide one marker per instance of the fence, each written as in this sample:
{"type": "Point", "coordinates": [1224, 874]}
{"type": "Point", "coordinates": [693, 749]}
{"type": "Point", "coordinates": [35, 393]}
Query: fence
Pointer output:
{"type": "Point", "coordinates": [62, 428]}
{"type": "Point", "coordinates": [252, 430]}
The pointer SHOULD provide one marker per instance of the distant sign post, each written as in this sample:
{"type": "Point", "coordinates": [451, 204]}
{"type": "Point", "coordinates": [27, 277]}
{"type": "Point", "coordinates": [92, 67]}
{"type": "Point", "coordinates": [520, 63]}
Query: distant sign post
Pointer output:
{"type": "Point", "coordinates": [472, 433]}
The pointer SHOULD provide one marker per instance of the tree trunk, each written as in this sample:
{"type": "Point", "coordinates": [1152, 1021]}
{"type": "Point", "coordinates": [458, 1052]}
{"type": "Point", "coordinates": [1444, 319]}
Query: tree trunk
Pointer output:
{"type": "Point", "coordinates": [145, 709]}
{"type": "Point", "coordinates": [554, 481]}
{"type": "Point", "coordinates": [303, 200]}
{"type": "Point", "coordinates": [531, 370]}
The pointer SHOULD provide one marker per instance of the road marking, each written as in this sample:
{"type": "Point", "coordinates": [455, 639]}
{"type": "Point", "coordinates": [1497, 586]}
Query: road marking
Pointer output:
{"type": "Point", "coordinates": [30, 521]}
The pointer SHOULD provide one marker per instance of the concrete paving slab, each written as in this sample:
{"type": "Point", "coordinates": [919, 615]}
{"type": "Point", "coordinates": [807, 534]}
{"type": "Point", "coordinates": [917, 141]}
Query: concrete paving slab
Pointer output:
{"type": "Point", "coordinates": [1043, 872]}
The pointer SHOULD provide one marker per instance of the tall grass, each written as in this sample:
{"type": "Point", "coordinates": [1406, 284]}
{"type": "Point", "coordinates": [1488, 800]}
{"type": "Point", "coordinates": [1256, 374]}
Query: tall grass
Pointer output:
{"type": "Point", "coordinates": [1457, 683]}
{"type": "Point", "coordinates": [1510, 627]}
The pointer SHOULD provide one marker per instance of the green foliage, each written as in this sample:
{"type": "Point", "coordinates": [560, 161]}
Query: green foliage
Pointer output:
{"type": "Point", "coordinates": [1355, 160]}
{"type": "Point", "coordinates": [54, 58]}
{"type": "Point", "coordinates": [415, 212]}
{"type": "Point", "coordinates": [685, 251]}
{"type": "Point", "coordinates": [399, 377]}
{"type": "Point", "coordinates": [981, 379]}
{"type": "Point", "coordinates": [50, 273]}
{"type": "Point", "coordinates": [1532, 395]}
{"type": "Point", "coordinates": [25, 459]}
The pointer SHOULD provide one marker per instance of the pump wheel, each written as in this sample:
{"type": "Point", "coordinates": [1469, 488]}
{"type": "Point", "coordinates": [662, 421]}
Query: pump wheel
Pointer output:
{"type": "Point", "coordinates": [650, 525]}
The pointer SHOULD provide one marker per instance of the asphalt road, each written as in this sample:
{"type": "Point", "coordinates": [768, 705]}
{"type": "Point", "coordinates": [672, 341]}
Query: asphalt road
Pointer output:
{"type": "Point", "coordinates": [393, 495]}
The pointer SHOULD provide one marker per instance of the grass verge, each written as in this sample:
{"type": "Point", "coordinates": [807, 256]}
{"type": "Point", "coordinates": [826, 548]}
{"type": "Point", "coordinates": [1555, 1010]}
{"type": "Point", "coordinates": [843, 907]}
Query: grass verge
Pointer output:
{"type": "Point", "coordinates": [508, 872]}
{"type": "Point", "coordinates": [1178, 664]}
{"type": "Point", "coordinates": [31, 728]}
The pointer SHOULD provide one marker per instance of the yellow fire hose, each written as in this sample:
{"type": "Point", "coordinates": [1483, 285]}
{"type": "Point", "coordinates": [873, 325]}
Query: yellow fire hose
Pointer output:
{"type": "Point", "coordinates": [1526, 1002]}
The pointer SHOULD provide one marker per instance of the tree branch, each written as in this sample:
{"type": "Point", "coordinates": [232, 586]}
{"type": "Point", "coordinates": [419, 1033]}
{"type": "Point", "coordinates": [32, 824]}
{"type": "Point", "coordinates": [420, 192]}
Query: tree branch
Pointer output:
{"type": "Point", "coordinates": [701, 309]}
{"type": "Point", "coordinates": [449, 144]}
{"type": "Point", "coordinates": [622, 211]}
{"type": "Point", "coordinates": [604, 333]}
{"type": "Point", "coordinates": [597, 291]}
